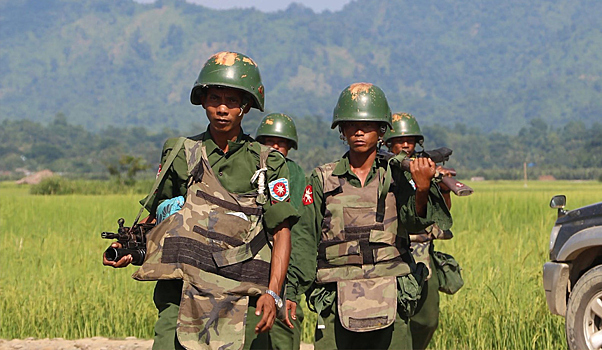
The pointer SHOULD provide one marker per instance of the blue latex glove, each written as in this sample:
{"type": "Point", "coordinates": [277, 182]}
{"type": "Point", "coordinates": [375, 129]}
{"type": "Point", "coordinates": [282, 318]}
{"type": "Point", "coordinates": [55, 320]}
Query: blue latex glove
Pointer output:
{"type": "Point", "coordinates": [168, 207]}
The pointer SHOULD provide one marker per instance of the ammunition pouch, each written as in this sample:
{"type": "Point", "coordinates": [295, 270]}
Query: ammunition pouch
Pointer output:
{"type": "Point", "coordinates": [448, 273]}
{"type": "Point", "coordinates": [410, 289]}
{"type": "Point", "coordinates": [367, 305]}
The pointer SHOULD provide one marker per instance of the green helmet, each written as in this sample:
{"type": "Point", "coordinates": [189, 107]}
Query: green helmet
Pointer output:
{"type": "Point", "coordinates": [278, 125]}
{"type": "Point", "coordinates": [362, 102]}
{"type": "Point", "coordinates": [404, 124]}
{"type": "Point", "coordinates": [230, 69]}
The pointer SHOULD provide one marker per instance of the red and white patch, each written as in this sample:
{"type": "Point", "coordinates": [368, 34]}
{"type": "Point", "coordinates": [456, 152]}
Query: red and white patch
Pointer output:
{"type": "Point", "coordinates": [308, 195]}
{"type": "Point", "coordinates": [279, 189]}
{"type": "Point", "coordinates": [158, 171]}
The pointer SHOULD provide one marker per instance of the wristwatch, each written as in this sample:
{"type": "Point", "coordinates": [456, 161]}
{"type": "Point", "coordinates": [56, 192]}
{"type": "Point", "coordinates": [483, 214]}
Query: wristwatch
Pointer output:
{"type": "Point", "coordinates": [277, 299]}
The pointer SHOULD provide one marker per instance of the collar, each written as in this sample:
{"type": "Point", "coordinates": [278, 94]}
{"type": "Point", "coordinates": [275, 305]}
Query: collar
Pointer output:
{"type": "Point", "coordinates": [344, 168]}
{"type": "Point", "coordinates": [233, 146]}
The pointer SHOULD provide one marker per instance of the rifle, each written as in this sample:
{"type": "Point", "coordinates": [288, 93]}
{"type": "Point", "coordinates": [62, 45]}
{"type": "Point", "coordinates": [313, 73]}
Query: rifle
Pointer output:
{"type": "Point", "coordinates": [132, 239]}
{"type": "Point", "coordinates": [439, 155]}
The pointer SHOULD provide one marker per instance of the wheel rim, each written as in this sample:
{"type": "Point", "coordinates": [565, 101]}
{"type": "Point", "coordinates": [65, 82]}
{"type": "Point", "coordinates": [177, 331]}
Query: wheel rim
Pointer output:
{"type": "Point", "coordinates": [592, 322]}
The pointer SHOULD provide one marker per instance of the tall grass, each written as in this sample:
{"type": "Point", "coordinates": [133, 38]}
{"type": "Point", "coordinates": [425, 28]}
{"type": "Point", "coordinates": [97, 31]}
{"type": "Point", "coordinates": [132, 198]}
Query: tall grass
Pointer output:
{"type": "Point", "coordinates": [501, 240]}
{"type": "Point", "coordinates": [52, 282]}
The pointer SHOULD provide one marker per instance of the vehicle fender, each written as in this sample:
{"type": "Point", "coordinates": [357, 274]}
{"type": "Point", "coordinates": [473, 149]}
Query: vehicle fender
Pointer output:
{"type": "Point", "coordinates": [580, 241]}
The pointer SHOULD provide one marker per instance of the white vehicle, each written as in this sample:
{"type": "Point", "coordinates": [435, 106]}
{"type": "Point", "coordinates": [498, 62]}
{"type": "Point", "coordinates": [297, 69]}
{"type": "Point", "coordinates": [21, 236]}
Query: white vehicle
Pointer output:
{"type": "Point", "coordinates": [573, 278]}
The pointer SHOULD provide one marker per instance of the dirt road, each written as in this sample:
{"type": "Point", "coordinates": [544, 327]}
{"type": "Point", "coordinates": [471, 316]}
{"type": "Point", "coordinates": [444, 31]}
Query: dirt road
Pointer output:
{"type": "Point", "coordinates": [96, 343]}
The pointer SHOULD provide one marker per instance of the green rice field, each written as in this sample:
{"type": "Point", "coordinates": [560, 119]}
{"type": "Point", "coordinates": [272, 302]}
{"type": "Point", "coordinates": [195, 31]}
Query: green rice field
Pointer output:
{"type": "Point", "coordinates": [53, 284]}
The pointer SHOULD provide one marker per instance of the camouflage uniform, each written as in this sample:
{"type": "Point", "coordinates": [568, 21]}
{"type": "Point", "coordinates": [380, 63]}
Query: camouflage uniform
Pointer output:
{"type": "Point", "coordinates": [307, 238]}
{"type": "Point", "coordinates": [233, 171]}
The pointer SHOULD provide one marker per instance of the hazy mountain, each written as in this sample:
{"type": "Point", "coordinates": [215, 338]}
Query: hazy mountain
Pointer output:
{"type": "Point", "coordinates": [493, 65]}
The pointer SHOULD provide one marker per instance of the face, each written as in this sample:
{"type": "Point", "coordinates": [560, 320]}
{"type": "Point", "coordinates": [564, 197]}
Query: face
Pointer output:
{"type": "Point", "coordinates": [223, 108]}
{"type": "Point", "coordinates": [403, 143]}
{"type": "Point", "coordinates": [362, 137]}
{"type": "Point", "coordinates": [280, 144]}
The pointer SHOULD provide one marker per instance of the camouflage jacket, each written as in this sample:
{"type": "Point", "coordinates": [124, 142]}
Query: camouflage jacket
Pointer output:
{"type": "Point", "coordinates": [361, 237]}
{"type": "Point", "coordinates": [306, 234]}
{"type": "Point", "coordinates": [234, 169]}
{"type": "Point", "coordinates": [217, 245]}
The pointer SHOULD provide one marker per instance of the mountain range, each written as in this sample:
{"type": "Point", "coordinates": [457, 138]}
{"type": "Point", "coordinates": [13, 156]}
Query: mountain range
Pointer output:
{"type": "Point", "coordinates": [490, 65]}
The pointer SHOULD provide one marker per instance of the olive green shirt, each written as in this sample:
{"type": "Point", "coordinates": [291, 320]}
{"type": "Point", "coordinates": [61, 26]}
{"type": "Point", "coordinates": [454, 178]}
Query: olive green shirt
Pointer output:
{"type": "Point", "coordinates": [234, 170]}
{"type": "Point", "coordinates": [306, 234]}
{"type": "Point", "coordinates": [297, 182]}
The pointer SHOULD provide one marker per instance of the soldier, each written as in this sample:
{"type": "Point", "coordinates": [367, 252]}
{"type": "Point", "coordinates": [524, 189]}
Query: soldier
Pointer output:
{"type": "Point", "coordinates": [404, 135]}
{"type": "Point", "coordinates": [278, 131]}
{"type": "Point", "coordinates": [364, 283]}
{"type": "Point", "coordinates": [218, 281]}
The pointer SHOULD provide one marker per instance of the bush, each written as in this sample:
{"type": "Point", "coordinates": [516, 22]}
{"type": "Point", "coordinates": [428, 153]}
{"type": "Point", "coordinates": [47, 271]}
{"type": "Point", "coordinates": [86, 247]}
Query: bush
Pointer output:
{"type": "Point", "coordinates": [52, 185]}
{"type": "Point", "coordinates": [57, 185]}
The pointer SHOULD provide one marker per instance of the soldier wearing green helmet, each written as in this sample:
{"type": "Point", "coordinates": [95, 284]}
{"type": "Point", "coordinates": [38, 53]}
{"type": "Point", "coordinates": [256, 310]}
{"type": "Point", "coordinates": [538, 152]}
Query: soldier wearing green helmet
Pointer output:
{"type": "Point", "coordinates": [278, 131]}
{"type": "Point", "coordinates": [221, 199]}
{"type": "Point", "coordinates": [355, 218]}
{"type": "Point", "coordinates": [404, 126]}
{"type": "Point", "coordinates": [403, 136]}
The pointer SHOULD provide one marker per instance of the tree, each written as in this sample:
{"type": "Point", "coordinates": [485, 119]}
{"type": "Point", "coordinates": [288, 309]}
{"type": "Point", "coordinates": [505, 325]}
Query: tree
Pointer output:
{"type": "Point", "coordinates": [126, 168]}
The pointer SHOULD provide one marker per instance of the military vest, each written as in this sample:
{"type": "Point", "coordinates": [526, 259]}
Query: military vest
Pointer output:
{"type": "Point", "coordinates": [216, 235]}
{"type": "Point", "coordinates": [356, 243]}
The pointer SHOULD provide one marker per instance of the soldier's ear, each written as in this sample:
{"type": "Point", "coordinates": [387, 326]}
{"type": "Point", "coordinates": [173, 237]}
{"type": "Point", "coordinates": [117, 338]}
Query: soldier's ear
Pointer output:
{"type": "Point", "coordinates": [247, 108]}
{"type": "Point", "coordinates": [247, 103]}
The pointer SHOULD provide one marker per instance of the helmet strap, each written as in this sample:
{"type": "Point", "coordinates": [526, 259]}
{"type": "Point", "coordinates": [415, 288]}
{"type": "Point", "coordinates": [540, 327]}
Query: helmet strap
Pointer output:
{"type": "Point", "coordinates": [243, 106]}
{"type": "Point", "coordinates": [242, 109]}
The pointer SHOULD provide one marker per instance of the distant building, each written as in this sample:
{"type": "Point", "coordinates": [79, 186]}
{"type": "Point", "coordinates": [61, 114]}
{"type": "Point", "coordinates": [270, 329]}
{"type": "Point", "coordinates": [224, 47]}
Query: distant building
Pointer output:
{"type": "Point", "coordinates": [35, 178]}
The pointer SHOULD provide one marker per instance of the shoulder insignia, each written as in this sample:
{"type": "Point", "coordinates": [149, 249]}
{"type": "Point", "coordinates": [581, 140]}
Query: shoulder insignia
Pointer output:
{"type": "Point", "coordinates": [308, 195]}
{"type": "Point", "coordinates": [279, 189]}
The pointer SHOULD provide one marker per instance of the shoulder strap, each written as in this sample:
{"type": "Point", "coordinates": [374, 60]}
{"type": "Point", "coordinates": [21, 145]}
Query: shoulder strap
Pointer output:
{"type": "Point", "coordinates": [329, 183]}
{"type": "Point", "coordinates": [172, 155]}
{"type": "Point", "coordinates": [384, 183]}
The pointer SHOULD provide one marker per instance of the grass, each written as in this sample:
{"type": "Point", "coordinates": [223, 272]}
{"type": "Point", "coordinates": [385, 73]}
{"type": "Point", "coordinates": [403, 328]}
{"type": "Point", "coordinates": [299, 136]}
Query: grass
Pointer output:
{"type": "Point", "coordinates": [52, 282]}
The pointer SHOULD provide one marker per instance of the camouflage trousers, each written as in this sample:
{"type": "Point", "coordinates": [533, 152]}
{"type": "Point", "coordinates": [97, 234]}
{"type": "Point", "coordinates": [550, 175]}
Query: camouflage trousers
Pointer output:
{"type": "Point", "coordinates": [334, 336]}
{"type": "Point", "coordinates": [426, 319]}
{"type": "Point", "coordinates": [167, 300]}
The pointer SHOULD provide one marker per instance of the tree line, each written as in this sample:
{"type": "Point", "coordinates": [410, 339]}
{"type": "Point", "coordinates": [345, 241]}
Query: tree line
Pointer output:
{"type": "Point", "coordinates": [572, 151]}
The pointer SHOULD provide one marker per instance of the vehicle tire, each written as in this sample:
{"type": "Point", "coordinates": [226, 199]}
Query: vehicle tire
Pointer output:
{"type": "Point", "coordinates": [584, 312]}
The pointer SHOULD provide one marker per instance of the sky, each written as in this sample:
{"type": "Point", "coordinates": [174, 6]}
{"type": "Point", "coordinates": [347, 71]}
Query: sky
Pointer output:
{"type": "Point", "coordinates": [269, 5]}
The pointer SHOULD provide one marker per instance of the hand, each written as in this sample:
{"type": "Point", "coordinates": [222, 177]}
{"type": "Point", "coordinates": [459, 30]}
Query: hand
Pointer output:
{"type": "Point", "coordinates": [123, 262]}
{"type": "Point", "coordinates": [423, 171]}
{"type": "Point", "coordinates": [267, 306]}
{"type": "Point", "coordinates": [292, 307]}
{"type": "Point", "coordinates": [444, 171]}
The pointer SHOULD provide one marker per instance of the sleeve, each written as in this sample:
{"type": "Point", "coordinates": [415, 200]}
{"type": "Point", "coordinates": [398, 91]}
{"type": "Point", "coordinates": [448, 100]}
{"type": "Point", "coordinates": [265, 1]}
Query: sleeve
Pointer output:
{"type": "Point", "coordinates": [305, 237]}
{"type": "Point", "coordinates": [175, 180]}
{"type": "Point", "coordinates": [278, 209]}
{"type": "Point", "coordinates": [297, 182]}
{"type": "Point", "coordinates": [436, 210]}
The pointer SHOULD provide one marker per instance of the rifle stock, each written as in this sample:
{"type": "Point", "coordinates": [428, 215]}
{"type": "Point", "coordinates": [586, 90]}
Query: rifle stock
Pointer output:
{"type": "Point", "coordinates": [438, 155]}
{"type": "Point", "coordinates": [457, 187]}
